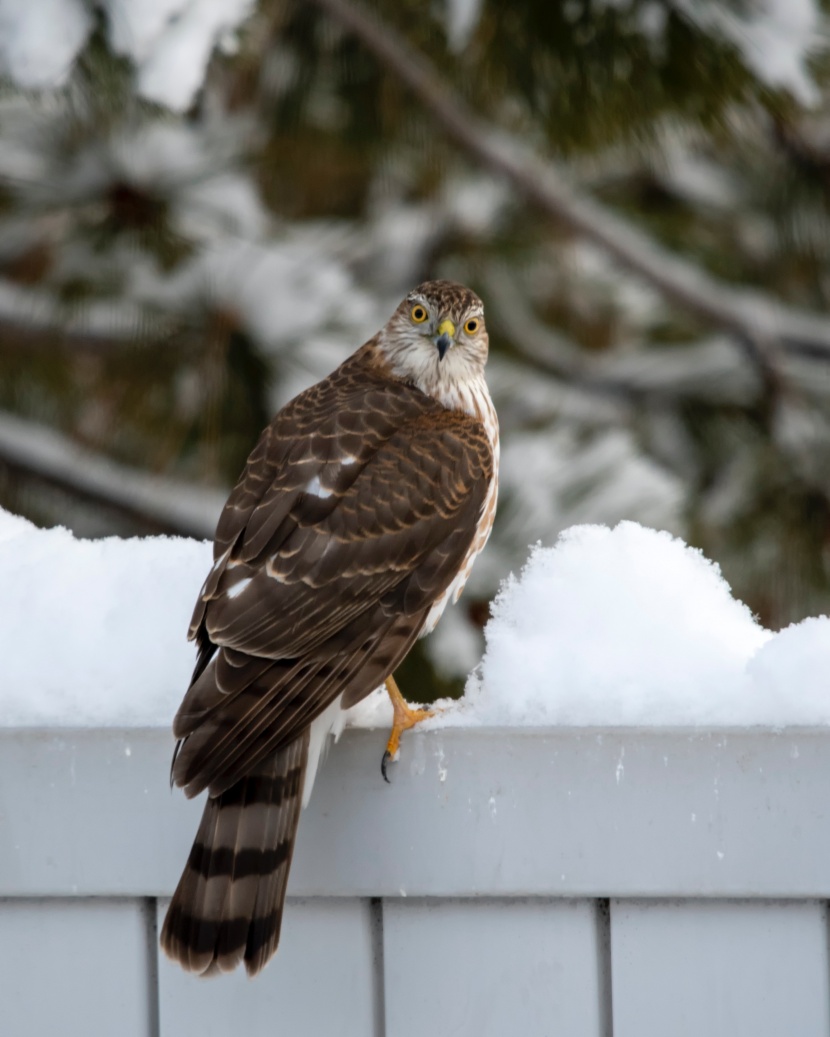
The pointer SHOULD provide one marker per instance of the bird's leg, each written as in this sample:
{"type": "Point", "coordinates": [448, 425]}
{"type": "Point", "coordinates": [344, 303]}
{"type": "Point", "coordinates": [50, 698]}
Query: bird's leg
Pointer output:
{"type": "Point", "coordinates": [404, 718]}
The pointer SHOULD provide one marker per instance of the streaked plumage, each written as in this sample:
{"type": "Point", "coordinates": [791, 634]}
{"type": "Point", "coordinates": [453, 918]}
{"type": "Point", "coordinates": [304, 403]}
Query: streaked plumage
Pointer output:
{"type": "Point", "coordinates": [358, 515]}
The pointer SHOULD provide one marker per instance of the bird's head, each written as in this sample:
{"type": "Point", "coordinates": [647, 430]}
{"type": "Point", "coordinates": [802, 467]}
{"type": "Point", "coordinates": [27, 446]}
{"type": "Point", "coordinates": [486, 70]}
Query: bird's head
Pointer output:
{"type": "Point", "coordinates": [437, 337]}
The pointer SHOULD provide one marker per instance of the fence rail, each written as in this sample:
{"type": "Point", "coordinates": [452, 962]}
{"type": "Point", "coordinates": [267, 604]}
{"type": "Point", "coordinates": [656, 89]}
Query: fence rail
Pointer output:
{"type": "Point", "coordinates": [536, 881]}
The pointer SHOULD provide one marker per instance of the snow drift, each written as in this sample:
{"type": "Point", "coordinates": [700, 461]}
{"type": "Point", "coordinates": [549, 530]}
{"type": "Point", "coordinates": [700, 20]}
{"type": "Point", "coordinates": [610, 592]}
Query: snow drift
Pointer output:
{"type": "Point", "coordinates": [623, 626]}
{"type": "Point", "coordinates": [631, 626]}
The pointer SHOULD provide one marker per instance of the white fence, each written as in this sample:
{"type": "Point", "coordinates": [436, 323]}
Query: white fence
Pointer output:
{"type": "Point", "coordinates": [581, 883]}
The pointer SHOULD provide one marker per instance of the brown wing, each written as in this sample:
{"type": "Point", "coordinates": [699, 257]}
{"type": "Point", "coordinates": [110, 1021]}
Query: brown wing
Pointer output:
{"type": "Point", "coordinates": [356, 510]}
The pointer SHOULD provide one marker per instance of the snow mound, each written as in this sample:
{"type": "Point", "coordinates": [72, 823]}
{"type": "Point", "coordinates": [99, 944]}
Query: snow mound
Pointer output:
{"type": "Point", "coordinates": [13, 525]}
{"type": "Point", "coordinates": [609, 627]}
{"type": "Point", "coordinates": [631, 626]}
{"type": "Point", "coordinates": [94, 631]}
{"type": "Point", "coordinates": [791, 674]}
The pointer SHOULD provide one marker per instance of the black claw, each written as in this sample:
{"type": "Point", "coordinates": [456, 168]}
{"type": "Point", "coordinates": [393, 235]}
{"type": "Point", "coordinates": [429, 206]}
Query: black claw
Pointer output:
{"type": "Point", "coordinates": [387, 756]}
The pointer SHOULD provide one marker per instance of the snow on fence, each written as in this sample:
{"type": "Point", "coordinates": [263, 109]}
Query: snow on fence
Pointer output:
{"type": "Point", "coordinates": [600, 840]}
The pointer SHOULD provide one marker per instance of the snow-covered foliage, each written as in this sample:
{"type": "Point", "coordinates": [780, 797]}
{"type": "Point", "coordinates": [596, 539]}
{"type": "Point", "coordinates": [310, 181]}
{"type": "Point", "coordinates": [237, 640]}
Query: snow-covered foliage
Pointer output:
{"type": "Point", "coordinates": [609, 627]}
{"type": "Point", "coordinates": [169, 41]}
{"type": "Point", "coordinates": [775, 37]}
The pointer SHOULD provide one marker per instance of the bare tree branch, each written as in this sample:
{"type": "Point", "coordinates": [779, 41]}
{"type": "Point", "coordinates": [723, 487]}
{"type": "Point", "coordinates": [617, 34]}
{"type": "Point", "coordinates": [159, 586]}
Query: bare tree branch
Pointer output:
{"type": "Point", "coordinates": [170, 506]}
{"type": "Point", "coordinates": [761, 323]}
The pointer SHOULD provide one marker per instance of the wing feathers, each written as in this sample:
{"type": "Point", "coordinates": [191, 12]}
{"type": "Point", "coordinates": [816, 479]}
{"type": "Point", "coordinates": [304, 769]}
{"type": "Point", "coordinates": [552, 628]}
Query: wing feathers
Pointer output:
{"type": "Point", "coordinates": [356, 511]}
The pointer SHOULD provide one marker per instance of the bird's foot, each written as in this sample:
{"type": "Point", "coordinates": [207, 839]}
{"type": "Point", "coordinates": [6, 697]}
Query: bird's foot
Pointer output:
{"type": "Point", "coordinates": [404, 718]}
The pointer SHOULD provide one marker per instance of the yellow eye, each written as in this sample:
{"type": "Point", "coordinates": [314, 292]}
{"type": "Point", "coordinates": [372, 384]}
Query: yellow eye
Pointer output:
{"type": "Point", "coordinates": [471, 326]}
{"type": "Point", "coordinates": [418, 313]}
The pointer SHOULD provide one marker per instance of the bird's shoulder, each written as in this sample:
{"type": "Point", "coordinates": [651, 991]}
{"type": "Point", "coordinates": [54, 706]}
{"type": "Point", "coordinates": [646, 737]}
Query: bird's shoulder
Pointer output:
{"type": "Point", "coordinates": [326, 436]}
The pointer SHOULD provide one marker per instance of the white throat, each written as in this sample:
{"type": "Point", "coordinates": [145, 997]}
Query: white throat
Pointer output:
{"type": "Point", "coordinates": [457, 382]}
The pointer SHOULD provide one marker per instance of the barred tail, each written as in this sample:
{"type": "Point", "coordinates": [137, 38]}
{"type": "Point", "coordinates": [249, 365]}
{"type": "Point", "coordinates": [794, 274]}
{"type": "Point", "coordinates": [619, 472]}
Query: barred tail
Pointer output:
{"type": "Point", "coordinates": [228, 905]}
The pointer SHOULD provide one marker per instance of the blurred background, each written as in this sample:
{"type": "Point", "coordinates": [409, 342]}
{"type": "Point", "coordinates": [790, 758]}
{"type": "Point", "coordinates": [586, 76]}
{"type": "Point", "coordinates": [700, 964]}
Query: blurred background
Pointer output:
{"type": "Point", "coordinates": [206, 205]}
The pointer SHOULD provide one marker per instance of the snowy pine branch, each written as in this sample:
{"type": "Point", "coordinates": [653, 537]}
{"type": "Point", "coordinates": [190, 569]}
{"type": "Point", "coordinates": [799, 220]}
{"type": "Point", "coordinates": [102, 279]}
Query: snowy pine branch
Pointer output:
{"type": "Point", "coordinates": [762, 324]}
{"type": "Point", "coordinates": [168, 505]}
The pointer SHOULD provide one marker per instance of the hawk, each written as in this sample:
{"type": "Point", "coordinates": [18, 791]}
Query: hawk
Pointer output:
{"type": "Point", "coordinates": [358, 516]}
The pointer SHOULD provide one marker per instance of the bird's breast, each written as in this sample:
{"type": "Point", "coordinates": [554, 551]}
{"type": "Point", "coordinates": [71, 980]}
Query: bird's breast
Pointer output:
{"type": "Point", "coordinates": [480, 538]}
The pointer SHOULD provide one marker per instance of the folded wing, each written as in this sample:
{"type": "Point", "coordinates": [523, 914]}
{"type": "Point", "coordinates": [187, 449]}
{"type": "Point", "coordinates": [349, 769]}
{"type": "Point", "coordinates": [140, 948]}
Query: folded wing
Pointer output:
{"type": "Point", "coordinates": [356, 510]}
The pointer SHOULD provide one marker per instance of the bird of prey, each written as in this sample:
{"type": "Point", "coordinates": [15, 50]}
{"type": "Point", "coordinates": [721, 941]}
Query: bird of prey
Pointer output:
{"type": "Point", "coordinates": [358, 516]}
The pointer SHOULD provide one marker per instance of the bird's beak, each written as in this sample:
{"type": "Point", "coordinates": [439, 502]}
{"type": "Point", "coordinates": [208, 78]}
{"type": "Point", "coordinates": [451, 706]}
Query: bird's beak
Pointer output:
{"type": "Point", "coordinates": [445, 338]}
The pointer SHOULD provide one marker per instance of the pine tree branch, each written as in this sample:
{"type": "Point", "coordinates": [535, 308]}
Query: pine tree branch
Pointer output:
{"type": "Point", "coordinates": [164, 504]}
{"type": "Point", "coordinates": [762, 324]}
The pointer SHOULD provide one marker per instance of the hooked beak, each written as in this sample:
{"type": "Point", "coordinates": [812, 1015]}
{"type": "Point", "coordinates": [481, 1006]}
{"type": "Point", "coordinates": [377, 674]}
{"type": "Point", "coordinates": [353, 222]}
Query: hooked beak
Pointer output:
{"type": "Point", "coordinates": [446, 337]}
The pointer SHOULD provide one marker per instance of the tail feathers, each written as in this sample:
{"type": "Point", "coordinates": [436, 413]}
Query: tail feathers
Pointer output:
{"type": "Point", "coordinates": [228, 905]}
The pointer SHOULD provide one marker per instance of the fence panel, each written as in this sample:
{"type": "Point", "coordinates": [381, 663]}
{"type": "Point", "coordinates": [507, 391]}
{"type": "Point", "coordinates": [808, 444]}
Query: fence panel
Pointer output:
{"type": "Point", "coordinates": [493, 967]}
{"type": "Point", "coordinates": [324, 980]}
{"type": "Point", "coordinates": [720, 969]}
{"type": "Point", "coordinates": [469, 896]}
{"type": "Point", "coordinates": [75, 967]}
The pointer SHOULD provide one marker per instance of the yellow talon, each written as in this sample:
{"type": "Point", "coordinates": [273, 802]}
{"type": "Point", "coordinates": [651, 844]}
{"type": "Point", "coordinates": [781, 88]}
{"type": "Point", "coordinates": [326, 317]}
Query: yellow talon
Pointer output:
{"type": "Point", "coordinates": [404, 718]}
